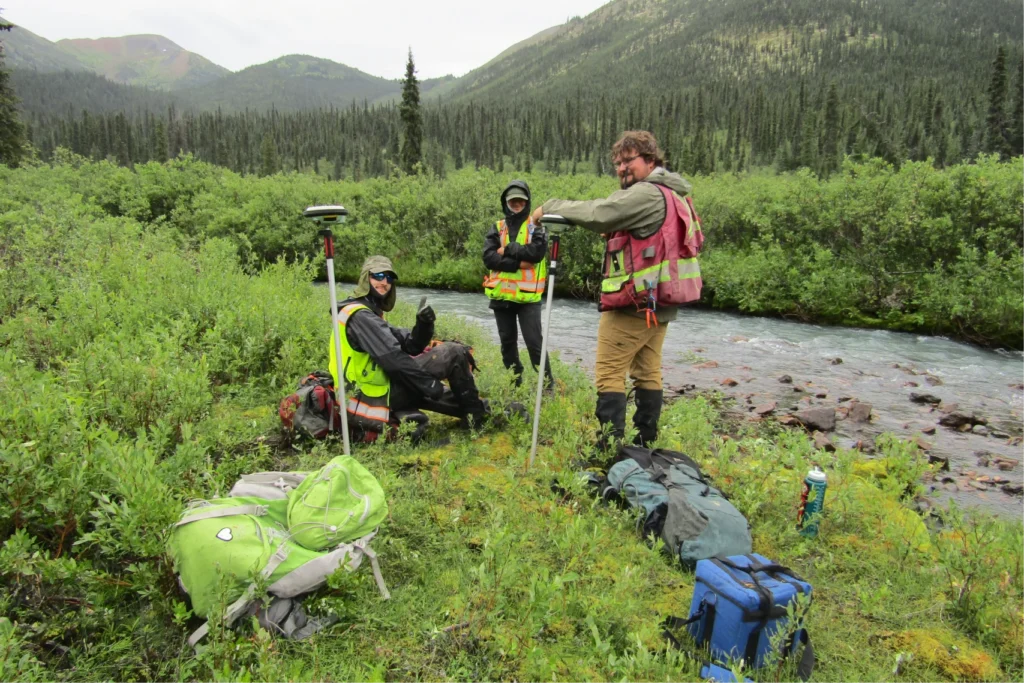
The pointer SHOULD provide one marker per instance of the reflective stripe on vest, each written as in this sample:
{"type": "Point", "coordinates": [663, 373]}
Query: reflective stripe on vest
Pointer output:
{"type": "Point", "coordinates": [368, 385]}
{"type": "Point", "coordinates": [687, 268]}
{"type": "Point", "coordinates": [524, 285]}
{"type": "Point", "coordinates": [665, 261]}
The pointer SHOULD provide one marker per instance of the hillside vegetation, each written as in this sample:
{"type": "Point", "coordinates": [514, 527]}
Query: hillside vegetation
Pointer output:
{"type": "Point", "coordinates": [141, 362]}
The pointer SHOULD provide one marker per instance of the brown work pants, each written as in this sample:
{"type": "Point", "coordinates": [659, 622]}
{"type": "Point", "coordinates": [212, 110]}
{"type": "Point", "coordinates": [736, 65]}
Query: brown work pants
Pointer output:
{"type": "Point", "coordinates": [625, 342]}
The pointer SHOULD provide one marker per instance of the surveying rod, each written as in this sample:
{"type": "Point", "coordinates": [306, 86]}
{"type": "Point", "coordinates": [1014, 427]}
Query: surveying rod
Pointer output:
{"type": "Point", "coordinates": [557, 224]}
{"type": "Point", "coordinates": [325, 217]}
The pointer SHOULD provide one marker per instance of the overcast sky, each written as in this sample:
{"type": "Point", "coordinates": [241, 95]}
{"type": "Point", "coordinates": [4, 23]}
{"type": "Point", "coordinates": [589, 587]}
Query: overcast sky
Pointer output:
{"type": "Point", "coordinates": [446, 36]}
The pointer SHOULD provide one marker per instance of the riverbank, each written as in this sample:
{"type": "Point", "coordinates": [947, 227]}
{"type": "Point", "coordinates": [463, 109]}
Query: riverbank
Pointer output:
{"type": "Point", "coordinates": [141, 367]}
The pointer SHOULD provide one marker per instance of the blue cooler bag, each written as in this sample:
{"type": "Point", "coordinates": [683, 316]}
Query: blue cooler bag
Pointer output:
{"type": "Point", "coordinates": [739, 602]}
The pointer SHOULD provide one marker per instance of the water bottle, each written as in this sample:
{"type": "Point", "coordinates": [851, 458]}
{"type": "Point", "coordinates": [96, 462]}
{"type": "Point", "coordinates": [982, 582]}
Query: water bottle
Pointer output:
{"type": "Point", "coordinates": [812, 502]}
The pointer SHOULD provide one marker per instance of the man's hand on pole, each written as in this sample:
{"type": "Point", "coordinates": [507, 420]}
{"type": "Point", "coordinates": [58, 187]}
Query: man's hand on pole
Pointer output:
{"type": "Point", "coordinates": [537, 214]}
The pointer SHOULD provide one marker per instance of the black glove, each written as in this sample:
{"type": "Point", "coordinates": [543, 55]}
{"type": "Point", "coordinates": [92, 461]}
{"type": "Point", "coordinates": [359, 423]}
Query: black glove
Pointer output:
{"type": "Point", "coordinates": [426, 315]}
{"type": "Point", "coordinates": [434, 391]}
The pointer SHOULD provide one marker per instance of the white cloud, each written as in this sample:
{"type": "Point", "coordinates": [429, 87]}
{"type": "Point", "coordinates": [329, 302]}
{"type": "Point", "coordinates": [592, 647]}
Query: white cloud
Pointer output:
{"type": "Point", "coordinates": [446, 36]}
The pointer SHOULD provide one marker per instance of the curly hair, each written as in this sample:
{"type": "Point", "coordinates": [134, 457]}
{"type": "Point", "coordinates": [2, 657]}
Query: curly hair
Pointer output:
{"type": "Point", "coordinates": [639, 142]}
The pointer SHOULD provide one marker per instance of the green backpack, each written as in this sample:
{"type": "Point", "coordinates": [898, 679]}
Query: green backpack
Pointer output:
{"type": "Point", "coordinates": [287, 531]}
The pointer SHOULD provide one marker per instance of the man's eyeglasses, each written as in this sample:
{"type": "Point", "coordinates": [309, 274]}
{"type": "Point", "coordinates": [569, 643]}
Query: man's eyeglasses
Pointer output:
{"type": "Point", "coordinates": [626, 162]}
{"type": "Point", "coordinates": [381, 277]}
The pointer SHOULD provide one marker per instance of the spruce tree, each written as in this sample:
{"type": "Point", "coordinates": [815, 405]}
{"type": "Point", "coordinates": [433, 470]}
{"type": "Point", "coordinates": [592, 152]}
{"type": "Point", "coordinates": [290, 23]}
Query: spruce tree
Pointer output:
{"type": "Point", "coordinates": [13, 145]}
{"type": "Point", "coordinates": [268, 156]}
{"type": "Point", "coordinates": [995, 139]}
{"type": "Point", "coordinates": [411, 121]}
{"type": "Point", "coordinates": [1017, 122]}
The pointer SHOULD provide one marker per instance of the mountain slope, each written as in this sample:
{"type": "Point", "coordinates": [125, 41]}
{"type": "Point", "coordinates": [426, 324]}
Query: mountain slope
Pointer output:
{"type": "Point", "coordinates": [25, 50]}
{"type": "Point", "coordinates": [652, 45]}
{"type": "Point", "coordinates": [291, 83]}
{"type": "Point", "coordinates": [146, 60]}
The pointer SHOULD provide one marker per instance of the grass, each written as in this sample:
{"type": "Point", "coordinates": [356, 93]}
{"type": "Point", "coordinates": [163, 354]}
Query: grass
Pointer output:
{"type": "Point", "coordinates": [137, 373]}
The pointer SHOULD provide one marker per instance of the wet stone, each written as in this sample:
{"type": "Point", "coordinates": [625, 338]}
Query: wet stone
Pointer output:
{"type": "Point", "coordinates": [785, 379]}
{"type": "Point", "coordinates": [821, 419]}
{"type": "Point", "coordinates": [860, 412]}
{"type": "Point", "coordinates": [836, 361]}
{"type": "Point", "coordinates": [980, 430]}
{"type": "Point", "coordinates": [930, 399]}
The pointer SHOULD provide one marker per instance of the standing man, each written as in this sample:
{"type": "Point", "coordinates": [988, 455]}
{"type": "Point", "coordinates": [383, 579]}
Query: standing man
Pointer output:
{"type": "Point", "coordinates": [514, 252]}
{"type": "Point", "coordinates": [650, 268]}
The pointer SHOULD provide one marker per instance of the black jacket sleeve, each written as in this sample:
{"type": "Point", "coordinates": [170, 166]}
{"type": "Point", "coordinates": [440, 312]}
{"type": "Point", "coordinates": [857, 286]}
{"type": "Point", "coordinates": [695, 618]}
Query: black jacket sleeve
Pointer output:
{"type": "Point", "coordinates": [415, 341]}
{"type": "Point", "coordinates": [533, 252]}
{"type": "Point", "coordinates": [367, 332]}
{"type": "Point", "coordinates": [493, 260]}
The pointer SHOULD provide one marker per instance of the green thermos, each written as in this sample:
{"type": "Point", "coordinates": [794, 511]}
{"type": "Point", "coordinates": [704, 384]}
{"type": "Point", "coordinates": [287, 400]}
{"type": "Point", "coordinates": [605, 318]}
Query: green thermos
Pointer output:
{"type": "Point", "coordinates": [812, 502]}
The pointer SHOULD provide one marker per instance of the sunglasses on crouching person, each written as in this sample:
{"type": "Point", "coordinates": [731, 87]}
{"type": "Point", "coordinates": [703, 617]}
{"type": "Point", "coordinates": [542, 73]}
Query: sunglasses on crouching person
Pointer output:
{"type": "Point", "coordinates": [382, 277]}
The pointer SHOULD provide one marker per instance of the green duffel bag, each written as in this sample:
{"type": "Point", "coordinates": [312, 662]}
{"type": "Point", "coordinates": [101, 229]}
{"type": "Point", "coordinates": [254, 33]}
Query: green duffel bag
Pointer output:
{"type": "Point", "coordinates": [340, 502]}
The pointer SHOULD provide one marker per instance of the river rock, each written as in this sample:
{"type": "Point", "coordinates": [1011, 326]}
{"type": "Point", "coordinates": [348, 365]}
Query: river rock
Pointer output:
{"type": "Point", "coordinates": [735, 339]}
{"type": "Point", "coordinates": [911, 384]}
{"type": "Point", "coordinates": [859, 412]}
{"type": "Point", "coordinates": [729, 382]}
{"type": "Point", "coordinates": [821, 394]}
{"type": "Point", "coordinates": [785, 379]}
{"type": "Point", "coordinates": [864, 446]}
{"type": "Point", "coordinates": [798, 390]}
{"type": "Point", "coordinates": [1014, 489]}
{"type": "Point", "coordinates": [980, 430]}
{"type": "Point", "coordinates": [933, 380]}
{"type": "Point", "coordinates": [928, 429]}
{"type": "Point", "coordinates": [787, 420]}
{"type": "Point", "coordinates": [1005, 464]}
{"type": "Point", "coordinates": [1017, 386]}
{"type": "Point", "coordinates": [836, 361]}
{"type": "Point", "coordinates": [940, 460]}
{"type": "Point", "coordinates": [822, 419]}
{"type": "Point", "coordinates": [823, 442]}
{"type": "Point", "coordinates": [765, 409]}
{"type": "Point", "coordinates": [930, 399]}
{"type": "Point", "coordinates": [955, 419]}
{"type": "Point", "coordinates": [707, 365]}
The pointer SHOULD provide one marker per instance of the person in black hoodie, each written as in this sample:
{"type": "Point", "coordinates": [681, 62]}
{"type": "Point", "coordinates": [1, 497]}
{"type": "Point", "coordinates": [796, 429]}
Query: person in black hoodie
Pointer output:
{"type": "Point", "coordinates": [390, 371]}
{"type": "Point", "coordinates": [514, 253]}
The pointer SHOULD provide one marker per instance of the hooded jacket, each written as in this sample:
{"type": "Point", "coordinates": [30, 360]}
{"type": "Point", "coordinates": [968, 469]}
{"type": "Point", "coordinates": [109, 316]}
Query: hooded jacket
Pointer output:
{"type": "Point", "coordinates": [534, 252]}
{"type": "Point", "coordinates": [639, 208]}
{"type": "Point", "coordinates": [390, 347]}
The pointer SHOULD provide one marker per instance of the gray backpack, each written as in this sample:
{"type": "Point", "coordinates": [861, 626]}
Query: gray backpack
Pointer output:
{"type": "Point", "coordinates": [693, 517]}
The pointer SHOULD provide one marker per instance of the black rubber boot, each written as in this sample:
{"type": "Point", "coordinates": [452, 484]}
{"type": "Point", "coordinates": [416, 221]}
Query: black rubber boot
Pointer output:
{"type": "Point", "coordinates": [645, 419]}
{"type": "Point", "coordinates": [611, 410]}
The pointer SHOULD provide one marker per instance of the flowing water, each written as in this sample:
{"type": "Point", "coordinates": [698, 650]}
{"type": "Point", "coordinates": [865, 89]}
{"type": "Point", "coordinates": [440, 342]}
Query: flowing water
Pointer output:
{"type": "Point", "coordinates": [829, 367]}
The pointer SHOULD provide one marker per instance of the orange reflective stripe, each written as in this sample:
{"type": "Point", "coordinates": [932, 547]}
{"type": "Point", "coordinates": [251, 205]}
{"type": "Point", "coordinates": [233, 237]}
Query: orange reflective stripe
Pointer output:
{"type": "Point", "coordinates": [376, 413]}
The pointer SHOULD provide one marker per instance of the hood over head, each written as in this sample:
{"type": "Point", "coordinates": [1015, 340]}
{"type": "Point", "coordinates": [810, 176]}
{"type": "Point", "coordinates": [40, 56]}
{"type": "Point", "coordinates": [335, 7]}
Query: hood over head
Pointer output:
{"type": "Point", "coordinates": [376, 264]}
{"type": "Point", "coordinates": [515, 188]}
{"type": "Point", "coordinates": [669, 179]}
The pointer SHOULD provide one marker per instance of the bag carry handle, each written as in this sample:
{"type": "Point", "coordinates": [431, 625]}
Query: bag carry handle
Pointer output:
{"type": "Point", "coordinates": [706, 609]}
{"type": "Point", "coordinates": [770, 568]}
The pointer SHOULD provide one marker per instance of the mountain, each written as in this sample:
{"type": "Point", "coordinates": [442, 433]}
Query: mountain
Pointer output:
{"type": "Point", "coordinates": [25, 50]}
{"type": "Point", "coordinates": [145, 60]}
{"type": "Point", "coordinates": [649, 46]}
{"type": "Point", "coordinates": [296, 82]}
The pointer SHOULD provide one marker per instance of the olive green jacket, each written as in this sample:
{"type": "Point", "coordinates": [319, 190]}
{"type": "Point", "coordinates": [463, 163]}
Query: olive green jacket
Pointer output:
{"type": "Point", "coordinates": [639, 208]}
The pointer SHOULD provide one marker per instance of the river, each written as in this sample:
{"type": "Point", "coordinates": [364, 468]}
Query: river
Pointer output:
{"type": "Point", "coordinates": [745, 356]}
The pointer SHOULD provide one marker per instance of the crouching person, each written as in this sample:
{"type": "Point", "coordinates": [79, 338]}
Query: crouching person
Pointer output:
{"type": "Point", "coordinates": [388, 372]}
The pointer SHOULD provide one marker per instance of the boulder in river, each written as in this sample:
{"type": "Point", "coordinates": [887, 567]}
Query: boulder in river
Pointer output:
{"type": "Point", "coordinates": [930, 399]}
{"type": "Point", "coordinates": [766, 409]}
{"type": "Point", "coordinates": [785, 379]}
{"type": "Point", "coordinates": [955, 419]}
{"type": "Point", "coordinates": [980, 430]}
{"type": "Point", "coordinates": [822, 419]}
{"type": "Point", "coordinates": [729, 382]}
{"type": "Point", "coordinates": [836, 361]}
{"type": "Point", "coordinates": [859, 412]}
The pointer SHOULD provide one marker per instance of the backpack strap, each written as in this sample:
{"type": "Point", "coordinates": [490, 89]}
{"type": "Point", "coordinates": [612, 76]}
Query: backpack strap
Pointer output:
{"type": "Point", "coordinates": [202, 513]}
{"type": "Point", "coordinates": [239, 606]}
